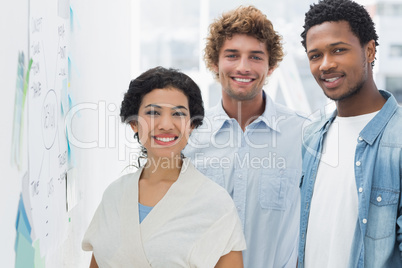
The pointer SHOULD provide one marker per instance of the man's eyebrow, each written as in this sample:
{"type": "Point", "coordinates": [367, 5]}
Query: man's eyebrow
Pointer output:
{"type": "Point", "coordinates": [330, 45]}
{"type": "Point", "coordinates": [235, 50]}
{"type": "Point", "coordinates": [231, 50]}
{"type": "Point", "coordinates": [312, 51]}
{"type": "Point", "coordinates": [339, 43]}
{"type": "Point", "coordinates": [258, 52]}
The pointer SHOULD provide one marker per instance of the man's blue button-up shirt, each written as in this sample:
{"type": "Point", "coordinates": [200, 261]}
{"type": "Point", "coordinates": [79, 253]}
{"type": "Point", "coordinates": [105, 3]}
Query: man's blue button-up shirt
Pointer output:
{"type": "Point", "coordinates": [260, 168]}
{"type": "Point", "coordinates": [377, 240]}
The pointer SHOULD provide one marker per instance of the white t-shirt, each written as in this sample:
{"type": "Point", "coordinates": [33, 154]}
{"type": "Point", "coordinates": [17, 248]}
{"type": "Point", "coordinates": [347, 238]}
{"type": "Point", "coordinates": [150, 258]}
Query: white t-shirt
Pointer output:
{"type": "Point", "coordinates": [193, 225]}
{"type": "Point", "coordinates": [334, 205]}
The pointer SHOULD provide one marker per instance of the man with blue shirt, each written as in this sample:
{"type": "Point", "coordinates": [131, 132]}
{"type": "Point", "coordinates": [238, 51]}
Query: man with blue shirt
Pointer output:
{"type": "Point", "coordinates": [248, 144]}
{"type": "Point", "coordinates": [352, 161]}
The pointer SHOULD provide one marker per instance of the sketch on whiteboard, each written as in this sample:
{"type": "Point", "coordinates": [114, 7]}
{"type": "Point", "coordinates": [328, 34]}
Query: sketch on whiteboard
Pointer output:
{"type": "Point", "coordinates": [47, 143]}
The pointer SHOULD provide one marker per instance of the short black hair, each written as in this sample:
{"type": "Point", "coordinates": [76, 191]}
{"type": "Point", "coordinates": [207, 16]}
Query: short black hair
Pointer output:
{"type": "Point", "coordinates": [355, 14]}
{"type": "Point", "coordinates": [159, 78]}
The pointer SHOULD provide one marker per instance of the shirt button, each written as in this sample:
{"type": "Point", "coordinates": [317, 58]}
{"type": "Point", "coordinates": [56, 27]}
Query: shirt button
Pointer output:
{"type": "Point", "coordinates": [360, 138]}
{"type": "Point", "coordinates": [364, 221]}
{"type": "Point", "coordinates": [360, 190]}
{"type": "Point", "coordinates": [358, 163]}
{"type": "Point", "coordinates": [379, 199]}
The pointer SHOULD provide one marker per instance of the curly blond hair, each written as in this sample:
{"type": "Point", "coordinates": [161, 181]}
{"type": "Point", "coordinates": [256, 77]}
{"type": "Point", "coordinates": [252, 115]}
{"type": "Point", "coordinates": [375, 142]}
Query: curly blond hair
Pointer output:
{"type": "Point", "coordinates": [243, 20]}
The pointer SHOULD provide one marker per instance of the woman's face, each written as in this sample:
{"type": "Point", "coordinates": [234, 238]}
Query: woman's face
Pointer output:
{"type": "Point", "coordinates": [164, 124]}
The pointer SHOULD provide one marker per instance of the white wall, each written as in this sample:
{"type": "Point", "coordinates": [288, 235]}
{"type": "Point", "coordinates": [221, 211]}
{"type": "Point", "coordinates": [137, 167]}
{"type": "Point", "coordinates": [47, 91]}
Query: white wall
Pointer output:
{"type": "Point", "coordinates": [100, 50]}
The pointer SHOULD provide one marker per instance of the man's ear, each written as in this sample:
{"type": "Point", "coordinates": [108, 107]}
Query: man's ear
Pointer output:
{"type": "Point", "coordinates": [134, 127]}
{"type": "Point", "coordinates": [370, 51]}
{"type": "Point", "coordinates": [271, 70]}
{"type": "Point", "coordinates": [215, 68]}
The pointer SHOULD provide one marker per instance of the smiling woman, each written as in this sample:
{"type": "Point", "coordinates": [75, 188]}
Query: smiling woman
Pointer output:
{"type": "Point", "coordinates": [165, 214]}
{"type": "Point", "coordinates": [163, 124]}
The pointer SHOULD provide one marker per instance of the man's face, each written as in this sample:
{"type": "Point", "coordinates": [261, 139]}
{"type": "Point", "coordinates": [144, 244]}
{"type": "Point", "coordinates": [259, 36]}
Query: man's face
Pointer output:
{"type": "Point", "coordinates": [338, 62]}
{"type": "Point", "coordinates": [243, 67]}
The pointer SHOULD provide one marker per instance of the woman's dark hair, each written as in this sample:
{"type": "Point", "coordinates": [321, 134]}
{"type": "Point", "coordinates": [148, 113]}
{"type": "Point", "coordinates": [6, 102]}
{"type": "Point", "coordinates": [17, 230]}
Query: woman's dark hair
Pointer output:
{"type": "Point", "coordinates": [355, 14]}
{"type": "Point", "coordinates": [159, 78]}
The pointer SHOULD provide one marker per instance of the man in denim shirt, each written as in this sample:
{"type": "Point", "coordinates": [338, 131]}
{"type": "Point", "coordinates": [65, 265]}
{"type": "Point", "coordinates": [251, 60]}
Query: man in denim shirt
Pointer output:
{"type": "Point", "coordinates": [352, 160]}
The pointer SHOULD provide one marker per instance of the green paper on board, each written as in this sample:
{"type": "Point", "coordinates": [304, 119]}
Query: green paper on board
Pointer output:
{"type": "Point", "coordinates": [24, 255]}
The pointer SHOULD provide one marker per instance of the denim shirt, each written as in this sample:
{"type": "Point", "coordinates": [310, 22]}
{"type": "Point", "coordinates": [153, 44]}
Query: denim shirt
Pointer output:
{"type": "Point", "coordinates": [377, 240]}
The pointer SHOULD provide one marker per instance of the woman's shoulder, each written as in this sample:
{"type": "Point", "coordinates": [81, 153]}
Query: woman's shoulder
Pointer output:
{"type": "Point", "coordinates": [120, 185]}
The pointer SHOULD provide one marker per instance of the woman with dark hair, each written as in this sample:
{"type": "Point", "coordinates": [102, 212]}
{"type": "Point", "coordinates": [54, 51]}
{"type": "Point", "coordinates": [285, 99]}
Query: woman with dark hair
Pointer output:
{"type": "Point", "coordinates": [167, 214]}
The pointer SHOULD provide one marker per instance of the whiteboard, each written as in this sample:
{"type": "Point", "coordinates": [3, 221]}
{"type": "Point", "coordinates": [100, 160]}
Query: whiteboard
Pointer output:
{"type": "Point", "coordinates": [47, 144]}
{"type": "Point", "coordinates": [99, 45]}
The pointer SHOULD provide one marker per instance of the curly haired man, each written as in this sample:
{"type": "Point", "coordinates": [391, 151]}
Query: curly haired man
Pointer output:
{"type": "Point", "coordinates": [249, 144]}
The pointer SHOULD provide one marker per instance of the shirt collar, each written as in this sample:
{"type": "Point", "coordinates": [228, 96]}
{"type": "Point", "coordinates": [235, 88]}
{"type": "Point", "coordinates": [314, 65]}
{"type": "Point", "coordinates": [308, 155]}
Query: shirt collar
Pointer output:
{"type": "Point", "coordinates": [268, 117]}
{"type": "Point", "coordinates": [373, 128]}
{"type": "Point", "coordinates": [219, 117]}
